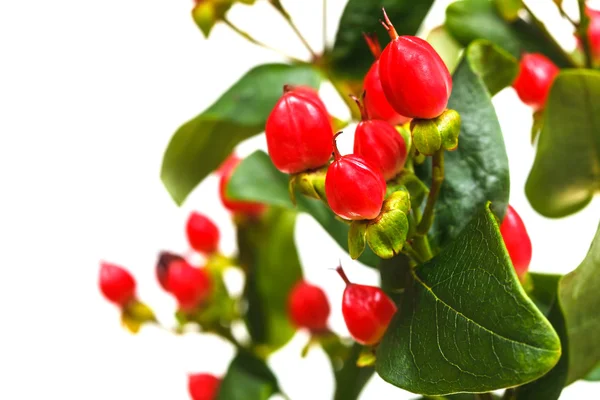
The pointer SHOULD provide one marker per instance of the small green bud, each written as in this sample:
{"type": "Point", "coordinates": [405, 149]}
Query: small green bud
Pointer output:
{"type": "Point", "coordinates": [208, 12]}
{"type": "Point", "coordinates": [431, 135]}
{"type": "Point", "coordinates": [135, 314]}
{"type": "Point", "coordinates": [309, 183]}
{"type": "Point", "coordinates": [357, 238]}
{"type": "Point", "coordinates": [387, 234]}
{"type": "Point", "coordinates": [399, 200]}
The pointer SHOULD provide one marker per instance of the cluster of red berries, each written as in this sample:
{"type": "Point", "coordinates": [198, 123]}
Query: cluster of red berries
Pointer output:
{"type": "Point", "coordinates": [407, 80]}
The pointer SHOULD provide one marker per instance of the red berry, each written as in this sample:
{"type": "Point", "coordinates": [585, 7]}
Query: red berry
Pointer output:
{"type": "Point", "coordinates": [116, 284]}
{"type": "Point", "coordinates": [594, 32]}
{"type": "Point", "coordinates": [298, 133]}
{"type": "Point", "coordinates": [190, 286]}
{"type": "Point", "coordinates": [536, 74]}
{"type": "Point", "coordinates": [203, 386]}
{"type": "Point", "coordinates": [236, 206]}
{"type": "Point", "coordinates": [367, 311]}
{"type": "Point", "coordinates": [380, 144]}
{"type": "Point", "coordinates": [309, 92]}
{"type": "Point", "coordinates": [415, 80]}
{"type": "Point", "coordinates": [376, 103]}
{"type": "Point", "coordinates": [202, 233]}
{"type": "Point", "coordinates": [308, 307]}
{"type": "Point", "coordinates": [517, 241]}
{"type": "Point", "coordinates": [355, 189]}
{"type": "Point", "coordinates": [165, 259]}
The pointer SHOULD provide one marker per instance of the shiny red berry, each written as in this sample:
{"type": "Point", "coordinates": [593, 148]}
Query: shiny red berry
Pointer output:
{"type": "Point", "coordinates": [355, 189]}
{"type": "Point", "coordinates": [116, 283]}
{"type": "Point", "coordinates": [415, 80]}
{"type": "Point", "coordinates": [367, 311]}
{"type": "Point", "coordinates": [236, 206]}
{"type": "Point", "coordinates": [203, 386]}
{"type": "Point", "coordinates": [191, 286]}
{"type": "Point", "coordinates": [308, 307]}
{"type": "Point", "coordinates": [165, 258]}
{"type": "Point", "coordinates": [517, 241]}
{"type": "Point", "coordinates": [536, 74]}
{"type": "Point", "coordinates": [202, 233]}
{"type": "Point", "coordinates": [380, 144]}
{"type": "Point", "coordinates": [309, 92]}
{"type": "Point", "coordinates": [298, 133]}
{"type": "Point", "coordinates": [594, 32]}
{"type": "Point", "coordinates": [375, 101]}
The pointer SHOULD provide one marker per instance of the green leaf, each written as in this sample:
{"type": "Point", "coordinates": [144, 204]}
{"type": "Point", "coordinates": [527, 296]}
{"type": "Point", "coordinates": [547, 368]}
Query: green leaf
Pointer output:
{"type": "Point", "coordinates": [578, 294]}
{"type": "Point", "coordinates": [248, 378]}
{"type": "Point", "coordinates": [468, 20]}
{"type": "Point", "coordinates": [267, 252]}
{"type": "Point", "coordinates": [542, 291]}
{"type": "Point", "coordinates": [446, 46]}
{"type": "Point", "coordinates": [593, 376]}
{"type": "Point", "coordinates": [497, 68]}
{"type": "Point", "coordinates": [350, 379]}
{"type": "Point", "coordinates": [357, 237]}
{"type": "Point", "coordinates": [466, 325]}
{"type": "Point", "coordinates": [509, 9]}
{"type": "Point", "coordinates": [566, 171]}
{"type": "Point", "coordinates": [350, 55]}
{"type": "Point", "coordinates": [200, 145]}
{"type": "Point", "coordinates": [479, 166]}
{"type": "Point", "coordinates": [257, 179]}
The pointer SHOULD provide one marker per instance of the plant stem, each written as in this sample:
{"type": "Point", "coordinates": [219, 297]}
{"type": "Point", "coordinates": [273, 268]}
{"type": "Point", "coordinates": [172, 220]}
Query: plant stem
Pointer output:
{"type": "Point", "coordinates": [279, 7]}
{"type": "Point", "coordinates": [325, 26]}
{"type": "Point", "coordinates": [421, 245]}
{"type": "Point", "coordinates": [409, 251]}
{"type": "Point", "coordinates": [251, 39]}
{"type": "Point", "coordinates": [540, 25]}
{"type": "Point", "coordinates": [582, 31]}
{"type": "Point", "coordinates": [564, 14]}
{"type": "Point", "coordinates": [437, 178]}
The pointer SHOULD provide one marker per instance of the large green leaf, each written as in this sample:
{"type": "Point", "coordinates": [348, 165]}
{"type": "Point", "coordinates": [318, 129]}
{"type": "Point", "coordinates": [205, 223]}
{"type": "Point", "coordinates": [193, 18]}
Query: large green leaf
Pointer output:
{"type": "Point", "coordinates": [477, 172]}
{"type": "Point", "coordinates": [468, 20]}
{"type": "Point", "coordinates": [257, 179]}
{"type": "Point", "coordinates": [200, 145]}
{"type": "Point", "coordinates": [248, 378]}
{"type": "Point", "coordinates": [566, 171]}
{"type": "Point", "coordinates": [466, 325]}
{"type": "Point", "coordinates": [349, 378]}
{"type": "Point", "coordinates": [542, 289]}
{"type": "Point", "coordinates": [267, 252]}
{"type": "Point", "coordinates": [578, 293]}
{"type": "Point", "coordinates": [350, 55]}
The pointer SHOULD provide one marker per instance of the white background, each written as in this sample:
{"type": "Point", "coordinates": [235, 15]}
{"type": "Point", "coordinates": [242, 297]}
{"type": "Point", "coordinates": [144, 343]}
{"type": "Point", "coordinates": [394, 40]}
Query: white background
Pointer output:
{"type": "Point", "coordinates": [90, 93]}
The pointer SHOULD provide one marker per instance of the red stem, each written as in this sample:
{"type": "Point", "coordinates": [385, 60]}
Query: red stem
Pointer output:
{"type": "Point", "coordinates": [373, 43]}
{"type": "Point", "coordinates": [336, 152]}
{"type": "Point", "coordinates": [363, 111]}
{"type": "Point", "coordinates": [387, 24]}
{"type": "Point", "coordinates": [341, 273]}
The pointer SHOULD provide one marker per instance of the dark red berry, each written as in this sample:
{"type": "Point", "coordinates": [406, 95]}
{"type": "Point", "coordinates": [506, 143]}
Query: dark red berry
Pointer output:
{"type": "Point", "coordinates": [355, 189]}
{"type": "Point", "coordinates": [191, 286]}
{"type": "Point", "coordinates": [203, 386]}
{"type": "Point", "coordinates": [375, 101]}
{"type": "Point", "coordinates": [536, 74]}
{"type": "Point", "coordinates": [236, 206]}
{"type": "Point", "coordinates": [202, 233]}
{"type": "Point", "coordinates": [415, 80]}
{"type": "Point", "coordinates": [165, 258]}
{"type": "Point", "coordinates": [116, 283]}
{"type": "Point", "coordinates": [367, 311]}
{"type": "Point", "coordinates": [517, 241]}
{"type": "Point", "coordinates": [380, 144]}
{"type": "Point", "coordinates": [298, 133]}
{"type": "Point", "coordinates": [308, 307]}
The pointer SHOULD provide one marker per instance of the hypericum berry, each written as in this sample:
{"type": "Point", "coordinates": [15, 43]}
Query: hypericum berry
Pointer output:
{"type": "Point", "coordinates": [380, 144]}
{"type": "Point", "coordinates": [308, 307]}
{"type": "Point", "coordinates": [165, 258]}
{"type": "Point", "coordinates": [298, 133]}
{"type": "Point", "coordinates": [367, 311]}
{"type": "Point", "coordinates": [310, 94]}
{"type": "Point", "coordinates": [594, 32]}
{"type": "Point", "coordinates": [355, 189]}
{"type": "Point", "coordinates": [191, 286]}
{"type": "Point", "coordinates": [375, 101]}
{"type": "Point", "coordinates": [202, 233]}
{"type": "Point", "coordinates": [415, 80]}
{"type": "Point", "coordinates": [236, 206]}
{"type": "Point", "coordinates": [116, 284]}
{"type": "Point", "coordinates": [536, 74]}
{"type": "Point", "coordinates": [203, 386]}
{"type": "Point", "coordinates": [517, 241]}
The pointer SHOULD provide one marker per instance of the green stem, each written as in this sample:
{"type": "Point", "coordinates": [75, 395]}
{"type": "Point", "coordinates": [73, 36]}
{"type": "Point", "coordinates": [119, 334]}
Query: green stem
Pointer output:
{"type": "Point", "coordinates": [412, 253]}
{"type": "Point", "coordinates": [437, 178]}
{"type": "Point", "coordinates": [257, 42]}
{"type": "Point", "coordinates": [582, 30]}
{"type": "Point", "coordinates": [564, 14]}
{"type": "Point", "coordinates": [540, 25]}
{"type": "Point", "coordinates": [279, 7]}
{"type": "Point", "coordinates": [421, 246]}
